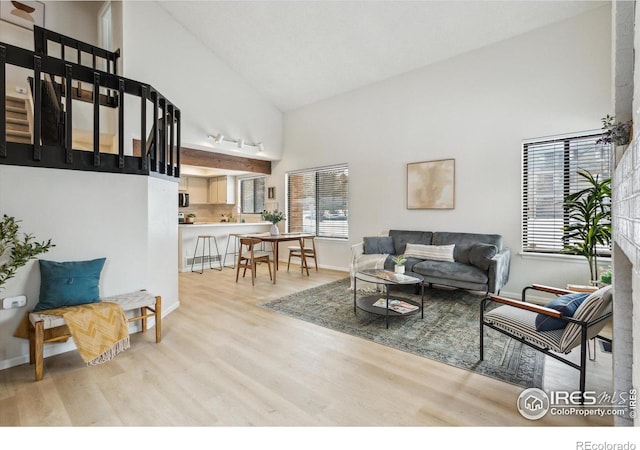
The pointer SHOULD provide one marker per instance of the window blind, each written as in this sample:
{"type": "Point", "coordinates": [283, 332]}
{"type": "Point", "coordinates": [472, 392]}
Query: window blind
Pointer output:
{"type": "Point", "coordinates": [252, 195]}
{"type": "Point", "coordinates": [317, 201]}
{"type": "Point", "coordinates": [550, 169]}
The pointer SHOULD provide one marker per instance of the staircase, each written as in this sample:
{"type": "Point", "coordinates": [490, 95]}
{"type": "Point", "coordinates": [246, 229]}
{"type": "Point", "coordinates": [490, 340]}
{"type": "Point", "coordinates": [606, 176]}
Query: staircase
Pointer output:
{"type": "Point", "coordinates": [18, 129]}
{"type": "Point", "coordinates": [17, 120]}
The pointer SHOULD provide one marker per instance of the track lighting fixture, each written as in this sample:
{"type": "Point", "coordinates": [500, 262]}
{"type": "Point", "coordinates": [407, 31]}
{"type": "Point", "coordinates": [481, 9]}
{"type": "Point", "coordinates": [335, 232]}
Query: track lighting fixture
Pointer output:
{"type": "Point", "coordinates": [237, 145]}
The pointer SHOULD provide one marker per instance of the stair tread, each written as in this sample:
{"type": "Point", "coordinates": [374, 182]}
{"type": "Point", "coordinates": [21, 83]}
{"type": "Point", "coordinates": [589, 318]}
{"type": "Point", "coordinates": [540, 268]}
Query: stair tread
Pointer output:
{"type": "Point", "coordinates": [18, 121]}
{"type": "Point", "coordinates": [21, 129]}
{"type": "Point", "coordinates": [19, 140]}
{"type": "Point", "coordinates": [14, 127]}
{"type": "Point", "coordinates": [16, 109]}
{"type": "Point", "coordinates": [18, 133]}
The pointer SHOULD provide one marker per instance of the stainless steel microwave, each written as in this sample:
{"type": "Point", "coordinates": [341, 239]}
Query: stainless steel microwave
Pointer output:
{"type": "Point", "coordinates": [183, 199]}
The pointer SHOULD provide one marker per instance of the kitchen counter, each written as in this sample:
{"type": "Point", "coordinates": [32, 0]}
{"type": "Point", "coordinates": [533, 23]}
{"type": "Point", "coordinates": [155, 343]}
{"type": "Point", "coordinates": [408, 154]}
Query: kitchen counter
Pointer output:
{"type": "Point", "coordinates": [189, 232]}
{"type": "Point", "coordinates": [222, 224]}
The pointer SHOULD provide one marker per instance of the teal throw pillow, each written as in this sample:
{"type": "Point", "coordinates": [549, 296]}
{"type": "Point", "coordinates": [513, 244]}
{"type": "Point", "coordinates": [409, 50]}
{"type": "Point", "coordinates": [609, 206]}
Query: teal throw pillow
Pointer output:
{"type": "Point", "coordinates": [567, 304]}
{"type": "Point", "coordinates": [69, 283]}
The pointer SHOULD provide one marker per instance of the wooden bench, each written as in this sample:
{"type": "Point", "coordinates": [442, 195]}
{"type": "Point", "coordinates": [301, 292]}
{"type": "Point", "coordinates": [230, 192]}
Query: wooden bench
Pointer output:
{"type": "Point", "coordinates": [144, 304]}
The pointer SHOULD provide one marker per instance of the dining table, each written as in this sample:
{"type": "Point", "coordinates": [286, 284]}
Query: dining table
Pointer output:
{"type": "Point", "coordinates": [275, 240]}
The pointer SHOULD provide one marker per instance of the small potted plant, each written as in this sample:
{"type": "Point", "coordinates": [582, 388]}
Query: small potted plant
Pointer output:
{"type": "Point", "coordinates": [275, 217]}
{"type": "Point", "coordinates": [399, 261]}
{"type": "Point", "coordinates": [190, 218]}
{"type": "Point", "coordinates": [618, 133]}
{"type": "Point", "coordinates": [606, 276]}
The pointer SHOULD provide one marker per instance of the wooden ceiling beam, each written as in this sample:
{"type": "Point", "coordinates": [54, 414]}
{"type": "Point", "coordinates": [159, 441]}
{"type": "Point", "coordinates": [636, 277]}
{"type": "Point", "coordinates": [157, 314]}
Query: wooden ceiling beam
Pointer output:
{"type": "Point", "coordinates": [201, 158]}
{"type": "Point", "coordinates": [193, 157]}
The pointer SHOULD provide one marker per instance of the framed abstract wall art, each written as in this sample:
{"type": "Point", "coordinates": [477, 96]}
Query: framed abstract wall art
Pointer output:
{"type": "Point", "coordinates": [431, 184]}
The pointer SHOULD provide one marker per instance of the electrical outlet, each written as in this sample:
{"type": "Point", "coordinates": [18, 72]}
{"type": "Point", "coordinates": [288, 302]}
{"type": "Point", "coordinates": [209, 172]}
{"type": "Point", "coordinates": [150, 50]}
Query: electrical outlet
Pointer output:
{"type": "Point", "coordinates": [14, 302]}
{"type": "Point", "coordinates": [21, 90]}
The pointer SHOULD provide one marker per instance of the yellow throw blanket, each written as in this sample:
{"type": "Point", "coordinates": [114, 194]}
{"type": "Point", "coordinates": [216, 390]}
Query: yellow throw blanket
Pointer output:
{"type": "Point", "coordinates": [99, 330]}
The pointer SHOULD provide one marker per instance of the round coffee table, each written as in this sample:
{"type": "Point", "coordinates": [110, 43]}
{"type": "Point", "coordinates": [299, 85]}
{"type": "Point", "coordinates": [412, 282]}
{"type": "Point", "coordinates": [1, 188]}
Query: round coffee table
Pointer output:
{"type": "Point", "coordinates": [384, 306]}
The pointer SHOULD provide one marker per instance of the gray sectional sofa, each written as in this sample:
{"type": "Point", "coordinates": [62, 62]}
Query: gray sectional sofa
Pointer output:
{"type": "Point", "coordinates": [478, 261]}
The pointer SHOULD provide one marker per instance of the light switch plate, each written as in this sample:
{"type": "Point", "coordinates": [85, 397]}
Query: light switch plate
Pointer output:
{"type": "Point", "coordinates": [14, 302]}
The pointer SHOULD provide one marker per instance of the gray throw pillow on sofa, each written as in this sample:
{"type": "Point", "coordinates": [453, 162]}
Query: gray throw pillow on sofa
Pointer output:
{"type": "Point", "coordinates": [480, 255]}
{"type": "Point", "coordinates": [378, 245]}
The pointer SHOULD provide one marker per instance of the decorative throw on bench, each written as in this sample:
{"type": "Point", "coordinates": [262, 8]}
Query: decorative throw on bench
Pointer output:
{"type": "Point", "coordinates": [99, 330]}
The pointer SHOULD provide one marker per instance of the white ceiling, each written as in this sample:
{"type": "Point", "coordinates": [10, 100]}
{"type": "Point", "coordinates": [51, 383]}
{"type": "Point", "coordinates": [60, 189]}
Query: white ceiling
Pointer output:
{"type": "Point", "coordinates": [299, 52]}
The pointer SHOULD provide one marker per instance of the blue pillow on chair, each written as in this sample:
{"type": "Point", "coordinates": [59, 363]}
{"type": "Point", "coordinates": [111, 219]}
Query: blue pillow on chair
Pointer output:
{"type": "Point", "coordinates": [567, 304]}
{"type": "Point", "coordinates": [69, 283]}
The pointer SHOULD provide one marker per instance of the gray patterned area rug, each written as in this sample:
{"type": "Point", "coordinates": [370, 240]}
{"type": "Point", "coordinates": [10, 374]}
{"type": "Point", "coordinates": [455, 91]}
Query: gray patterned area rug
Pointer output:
{"type": "Point", "coordinates": [449, 332]}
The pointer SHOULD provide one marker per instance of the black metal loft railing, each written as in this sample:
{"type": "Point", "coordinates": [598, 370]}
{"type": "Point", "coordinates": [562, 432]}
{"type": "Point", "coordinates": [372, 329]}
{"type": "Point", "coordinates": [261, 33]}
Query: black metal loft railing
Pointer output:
{"type": "Point", "coordinates": [54, 94]}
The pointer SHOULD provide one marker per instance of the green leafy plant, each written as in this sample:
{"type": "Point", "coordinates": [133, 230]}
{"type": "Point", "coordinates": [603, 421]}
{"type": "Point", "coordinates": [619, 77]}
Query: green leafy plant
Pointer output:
{"type": "Point", "coordinates": [16, 250]}
{"type": "Point", "coordinates": [191, 215]}
{"type": "Point", "coordinates": [589, 226]}
{"type": "Point", "coordinates": [274, 216]}
{"type": "Point", "coordinates": [606, 276]}
{"type": "Point", "coordinates": [399, 260]}
{"type": "Point", "coordinates": [618, 133]}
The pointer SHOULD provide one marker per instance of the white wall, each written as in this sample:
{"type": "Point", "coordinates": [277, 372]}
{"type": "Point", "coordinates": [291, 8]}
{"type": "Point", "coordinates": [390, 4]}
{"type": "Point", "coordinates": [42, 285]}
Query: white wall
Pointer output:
{"type": "Point", "coordinates": [626, 208]}
{"type": "Point", "coordinates": [162, 240]}
{"type": "Point", "coordinates": [75, 19]}
{"type": "Point", "coordinates": [128, 219]}
{"type": "Point", "coordinates": [475, 108]}
{"type": "Point", "coordinates": [212, 98]}
{"type": "Point", "coordinates": [72, 18]}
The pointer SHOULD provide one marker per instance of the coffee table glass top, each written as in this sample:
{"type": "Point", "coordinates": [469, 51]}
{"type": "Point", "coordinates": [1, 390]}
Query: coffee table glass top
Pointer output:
{"type": "Point", "coordinates": [383, 276]}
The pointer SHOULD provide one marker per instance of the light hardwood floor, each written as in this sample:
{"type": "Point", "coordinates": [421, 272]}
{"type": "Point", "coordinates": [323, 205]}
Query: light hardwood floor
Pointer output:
{"type": "Point", "coordinates": [225, 361]}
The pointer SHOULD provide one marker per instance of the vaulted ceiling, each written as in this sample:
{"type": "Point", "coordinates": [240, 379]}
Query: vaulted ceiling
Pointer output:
{"type": "Point", "coordinates": [299, 52]}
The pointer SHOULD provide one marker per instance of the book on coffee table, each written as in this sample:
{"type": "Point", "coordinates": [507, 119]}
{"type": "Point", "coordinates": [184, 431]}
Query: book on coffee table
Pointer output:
{"type": "Point", "coordinates": [399, 306]}
{"type": "Point", "coordinates": [392, 276]}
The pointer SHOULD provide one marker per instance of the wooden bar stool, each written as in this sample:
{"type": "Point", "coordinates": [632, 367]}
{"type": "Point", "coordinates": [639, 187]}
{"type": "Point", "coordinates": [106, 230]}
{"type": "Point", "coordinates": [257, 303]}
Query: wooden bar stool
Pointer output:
{"type": "Point", "coordinates": [206, 239]}
{"type": "Point", "coordinates": [236, 238]}
{"type": "Point", "coordinates": [309, 252]}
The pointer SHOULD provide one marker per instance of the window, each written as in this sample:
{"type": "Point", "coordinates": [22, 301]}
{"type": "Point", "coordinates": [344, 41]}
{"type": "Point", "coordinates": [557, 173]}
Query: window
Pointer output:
{"type": "Point", "coordinates": [550, 168]}
{"type": "Point", "coordinates": [317, 201]}
{"type": "Point", "coordinates": [252, 195]}
{"type": "Point", "coordinates": [105, 26]}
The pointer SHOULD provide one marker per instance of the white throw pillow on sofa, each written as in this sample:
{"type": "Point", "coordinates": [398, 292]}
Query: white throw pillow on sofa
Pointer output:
{"type": "Point", "coordinates": [434, 252]}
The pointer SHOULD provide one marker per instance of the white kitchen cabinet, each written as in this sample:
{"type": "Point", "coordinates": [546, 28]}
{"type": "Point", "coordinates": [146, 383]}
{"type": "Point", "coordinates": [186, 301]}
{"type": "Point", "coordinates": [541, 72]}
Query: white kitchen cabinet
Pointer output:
{"type": "Point", "coordinates": [184, 184]}
{"type": "Point", "coordinates": [222, 190]}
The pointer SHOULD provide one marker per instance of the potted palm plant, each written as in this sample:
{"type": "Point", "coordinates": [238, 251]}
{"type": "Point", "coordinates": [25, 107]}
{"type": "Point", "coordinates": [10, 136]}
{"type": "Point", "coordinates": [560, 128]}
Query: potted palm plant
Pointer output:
{"type": "Point", "coordinates": [275, 217]}
{"type": "Point", "coordinates": [589, 226]}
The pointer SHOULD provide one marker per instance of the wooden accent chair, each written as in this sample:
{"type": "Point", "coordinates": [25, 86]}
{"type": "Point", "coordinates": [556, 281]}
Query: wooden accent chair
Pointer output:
{"type": "Point", "coordinates": [249, 257]}
{"type": "Point", "coordinates": [309, 252]}
{"type": "Point", "coordinates": [517, 319]}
